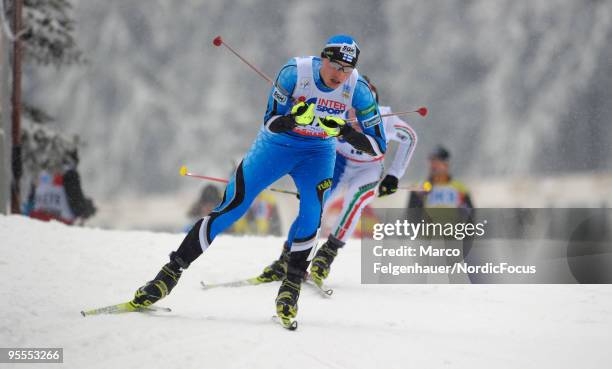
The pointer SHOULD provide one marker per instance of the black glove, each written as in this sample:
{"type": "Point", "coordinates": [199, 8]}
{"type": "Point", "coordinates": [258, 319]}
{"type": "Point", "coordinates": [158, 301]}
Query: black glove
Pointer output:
{"type": "Point", "coordinates": [387, 186]}
{"type": "Point", "coordinates": [356, 139]}
{"type": "Point", "coordinates": [282, 124]}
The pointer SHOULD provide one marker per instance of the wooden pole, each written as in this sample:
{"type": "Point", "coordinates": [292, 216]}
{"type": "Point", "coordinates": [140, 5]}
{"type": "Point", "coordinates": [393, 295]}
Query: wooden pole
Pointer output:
{"type": "Point", "coordinates": [4, 126]}
{"type": "Point", "coordinates": [16, 163]}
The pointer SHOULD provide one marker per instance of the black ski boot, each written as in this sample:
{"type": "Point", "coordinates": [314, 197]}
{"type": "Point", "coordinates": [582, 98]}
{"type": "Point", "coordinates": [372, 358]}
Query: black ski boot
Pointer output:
{"type": "Point", "coordinates": [286, 301]}
{"type": "Point", "coordinates": [321, 263]}
{"type": "Point", "coordinates": [277, 270]}
{"type": "Point", "coordinates": [289, 291]}
{"type": "Point", "coordinates": [160, 286]}
{"type": "Point", "coordinates": [168, 276]}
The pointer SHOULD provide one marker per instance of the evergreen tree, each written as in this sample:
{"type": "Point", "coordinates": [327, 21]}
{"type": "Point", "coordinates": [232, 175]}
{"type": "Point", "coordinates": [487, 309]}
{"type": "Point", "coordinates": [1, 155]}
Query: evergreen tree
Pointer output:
{"type": "Point", "coordinates": [48, 32]}
{"type": "Point", "coordinates": [48, 39]}
{"type": "Point", "coordinates": [47, 36]}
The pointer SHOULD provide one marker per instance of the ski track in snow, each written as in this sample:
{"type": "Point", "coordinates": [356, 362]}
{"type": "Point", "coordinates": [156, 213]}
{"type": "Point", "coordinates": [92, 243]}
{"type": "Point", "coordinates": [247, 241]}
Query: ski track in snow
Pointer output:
{"type": "Point", "coordinates": [51, 272]}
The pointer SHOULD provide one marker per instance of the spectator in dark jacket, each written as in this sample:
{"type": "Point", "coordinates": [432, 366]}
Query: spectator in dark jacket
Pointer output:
{"type": "Point", "coordinates": [58, 194]}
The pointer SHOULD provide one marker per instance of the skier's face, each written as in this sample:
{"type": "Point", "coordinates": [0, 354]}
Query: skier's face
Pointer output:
{"type": "Point", "coordinates": [335, 73]}
{"type": "Point", "coordinates": [438, 167]}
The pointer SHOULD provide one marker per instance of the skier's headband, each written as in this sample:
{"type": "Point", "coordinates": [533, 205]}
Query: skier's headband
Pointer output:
{"type": "Point", "coordinates": [347, 53]}
{"type": "Point", "coordinates": [440, 153]}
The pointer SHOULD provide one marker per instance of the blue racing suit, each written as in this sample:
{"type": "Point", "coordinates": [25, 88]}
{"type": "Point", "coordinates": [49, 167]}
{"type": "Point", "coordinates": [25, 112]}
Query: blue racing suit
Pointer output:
{"type": "Point", "coordinates": [309, 160]}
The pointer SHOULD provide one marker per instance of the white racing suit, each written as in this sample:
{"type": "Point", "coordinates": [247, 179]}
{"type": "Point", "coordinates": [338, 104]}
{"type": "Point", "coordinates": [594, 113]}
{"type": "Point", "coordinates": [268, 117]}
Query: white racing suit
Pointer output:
{"type": "Point", "coordinates": [359, 174]}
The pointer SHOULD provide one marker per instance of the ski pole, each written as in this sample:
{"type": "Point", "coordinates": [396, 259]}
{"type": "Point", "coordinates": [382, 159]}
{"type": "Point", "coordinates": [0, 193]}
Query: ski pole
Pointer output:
{"type": "Point", "coordinates": [218, 41]}
{"type": "Point", "coordinates": [183, 171]}
{"type": "Point", "coordinates": [425, 188]}
{"type": "Point", "coordinates": [422, 111]}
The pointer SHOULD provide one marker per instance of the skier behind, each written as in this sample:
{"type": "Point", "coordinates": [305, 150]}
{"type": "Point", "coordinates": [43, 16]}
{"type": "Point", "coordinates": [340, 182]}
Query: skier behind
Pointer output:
{"type": "Point", "coordinates": [304, 114]}
{"type": "Point", "coordinates": [444, 190]}
{"type": "Point", "coordinates": [359, 174]}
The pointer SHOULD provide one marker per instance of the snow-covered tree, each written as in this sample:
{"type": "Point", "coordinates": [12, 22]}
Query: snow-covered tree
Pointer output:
{"type": "Point", "coordinates": [47, 36]}
{"type": "Point", "coordinates": [48, 29]}
{"type": "Point", "coordinates": [48, 39]}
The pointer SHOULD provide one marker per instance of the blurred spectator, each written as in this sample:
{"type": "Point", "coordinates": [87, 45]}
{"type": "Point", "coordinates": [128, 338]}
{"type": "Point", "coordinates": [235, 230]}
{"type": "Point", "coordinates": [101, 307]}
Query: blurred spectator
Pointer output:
{"type": "Point", "coordinates": [266, 218]}
{"type": "Point", "coordinates": [209, 198]}
{"type": "Point", "coordinates": [56, 191]}
{"type": "Point", "coordinates": [262, 218]}
{"type": "Point", "coordinates": [441, 190]}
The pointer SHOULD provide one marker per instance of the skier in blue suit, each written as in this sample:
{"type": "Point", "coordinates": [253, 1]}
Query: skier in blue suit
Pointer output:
{"type": "Point", "coordinates": [302, 120]}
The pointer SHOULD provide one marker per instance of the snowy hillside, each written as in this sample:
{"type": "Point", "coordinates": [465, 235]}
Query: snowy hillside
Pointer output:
{"type": "Point", "coordinates": [51, 272]}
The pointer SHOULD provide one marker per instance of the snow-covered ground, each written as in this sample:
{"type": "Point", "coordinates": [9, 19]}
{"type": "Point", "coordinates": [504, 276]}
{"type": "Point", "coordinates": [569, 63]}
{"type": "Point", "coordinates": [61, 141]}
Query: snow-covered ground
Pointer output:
{"type": "Point", "coordinates": [50, 272]}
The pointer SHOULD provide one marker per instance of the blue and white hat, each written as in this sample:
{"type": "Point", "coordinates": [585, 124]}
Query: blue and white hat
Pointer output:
{"type": "Point", "coordinates": [341, 48]}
